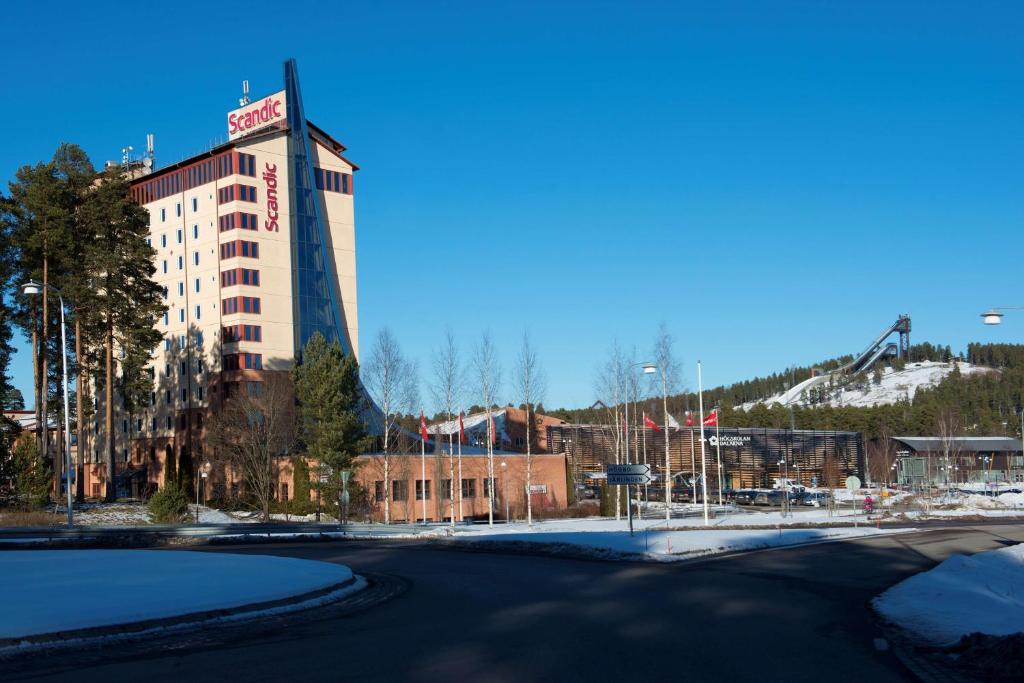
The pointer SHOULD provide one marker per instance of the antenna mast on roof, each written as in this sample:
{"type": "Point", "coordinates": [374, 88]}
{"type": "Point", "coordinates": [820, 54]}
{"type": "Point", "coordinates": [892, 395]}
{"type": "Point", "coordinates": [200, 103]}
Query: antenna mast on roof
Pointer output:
{"type": "Point", "coordinates": [245, 94]}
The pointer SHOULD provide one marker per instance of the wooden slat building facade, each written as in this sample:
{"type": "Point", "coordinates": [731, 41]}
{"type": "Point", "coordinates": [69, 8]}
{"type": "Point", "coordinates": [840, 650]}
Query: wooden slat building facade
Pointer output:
{"type": "Point", "coordinates": [750, 456]}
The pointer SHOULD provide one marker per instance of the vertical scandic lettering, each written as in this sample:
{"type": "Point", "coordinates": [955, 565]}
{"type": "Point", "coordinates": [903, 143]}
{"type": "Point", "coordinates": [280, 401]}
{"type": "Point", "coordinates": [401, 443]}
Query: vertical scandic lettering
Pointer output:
{"type": "Point", "coordinates": [270, 177]}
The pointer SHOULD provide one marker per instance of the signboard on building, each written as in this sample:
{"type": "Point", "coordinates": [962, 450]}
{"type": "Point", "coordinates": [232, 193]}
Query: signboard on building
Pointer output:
{"type": "Point", "coordinates": [257, 115]}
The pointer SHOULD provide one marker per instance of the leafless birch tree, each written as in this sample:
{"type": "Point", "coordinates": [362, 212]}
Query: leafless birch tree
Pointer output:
{"type": "Point", "coordinates": [488, 376]}
{"type": "Point", "coordinates": [611, 389]}
{"type": "Point", "coordinates": [531, 388]}
{"type": "Point", "coordinates": [391, 379]}
{"type": "Point", "coordinates": [669, 373]}
{"type": "Point", "coordinates": [447, 388]}
{"type": "Point", "coordinates": [252, 430]}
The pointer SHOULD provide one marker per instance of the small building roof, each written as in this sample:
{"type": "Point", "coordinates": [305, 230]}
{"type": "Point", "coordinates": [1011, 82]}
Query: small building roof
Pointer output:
{"type": "Point", "coordinates": [983, 444]}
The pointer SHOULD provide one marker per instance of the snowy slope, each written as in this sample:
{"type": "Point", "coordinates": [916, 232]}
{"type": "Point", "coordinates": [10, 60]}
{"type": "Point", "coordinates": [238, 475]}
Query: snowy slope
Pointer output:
{"type": "Point", "coordinates": [895, 386]}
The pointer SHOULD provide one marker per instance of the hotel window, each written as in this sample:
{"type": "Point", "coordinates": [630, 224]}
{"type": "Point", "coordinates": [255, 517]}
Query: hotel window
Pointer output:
{"type": "Point", "coordinates": [195, 204]}
{"type": "Point", "coordinates": [250, 277]}
{"type": "Point", "coordinates": [167, 342]}
{"type": "Point", "coordinates": [378, 490]}
{"type": "Point", "coordinates": [149, 242]}
{"type": "Point", "coordinates": [469, 488]}
{"type": "Point", "coordinates": [247, 221]}
{"type": "Point", "coordinates": [163, 241]}
{"type": "Point", "coordinates": [251, 249]}
{"type": "Point", "coordinates": [152, 424]}
{"type": "Point", "coordinates": [227, 222]}
{"type": "Point", "coordinates": [229, 306]}
{"type": "Point", "coordinates": [170, 422]}
{"type": "Point", "coordinates": [226, 194]}
{"type": "Point", "coordinates": [181, 263]}
{"type": "Point", "coordinates": [246, 164]}
{"type": "Point", "coordinates": [253, 361]}
{"type": "Point", "coordinates": [177, 209]}
{"type": "Point", "coordinates": [167, 397]}
{"type": "Point", "coordinates": [228, 250]}
{"type": "Point", "coordinates": [199, 393]}
{"type": "Point", "coordinates": [231, 361]}
{"type": "Point", "coordinates": [181, 315]}
{"type": "Point", "coordinates": [195, 232]}
{"type": "Point", "coordinates": [166, 319]}
{"type": "Point", "coordinates": [229, 278]}
{"type": "Point", "coordinates": [184, 367]}
{"type": "Point", "coordinates": [184, 395]}
{"type": "Point", "coordinates": [250, 304]}
{"type": "Point", "coordinates": [181, 289]}
{"type": "Point", "coordinates": [399, 490]}
{"type": "Point", "coordinates": [422, 489]}
{"type": "Point", "coordinates": [163, 215]}
{"type": "Point", "coordinates": [195, 258]}
{"type": "Point", "coordinates": [197, 285]}
{"type": "Point", "coordinates": [165, 265]}
{"type": "Point", "coordinates": [152, 398]}
{"type": "Point", "coordinates": [199, 312]}
{"type": "Point", "coordinates": [247, 193]}
{"type": "Point", "coordinates": [165, 291]}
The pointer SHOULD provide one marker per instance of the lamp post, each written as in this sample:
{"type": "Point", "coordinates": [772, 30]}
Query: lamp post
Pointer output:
{"type": "Point", "coordinates": [649, 368]}
{"type": "Point", "coordinates": [784, 472]}
{"type": "Point", "coordinates": [33, 288]}
{"type": "Point", "coordinates": [204, 472]}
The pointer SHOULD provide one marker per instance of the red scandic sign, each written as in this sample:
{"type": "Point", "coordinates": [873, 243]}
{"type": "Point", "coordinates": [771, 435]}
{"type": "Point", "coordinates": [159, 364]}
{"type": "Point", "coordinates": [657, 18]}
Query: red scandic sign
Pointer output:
{"type": "Point", "coordinates": [270, 178]}
{"type": "Point", "coordinates": [258, 115]}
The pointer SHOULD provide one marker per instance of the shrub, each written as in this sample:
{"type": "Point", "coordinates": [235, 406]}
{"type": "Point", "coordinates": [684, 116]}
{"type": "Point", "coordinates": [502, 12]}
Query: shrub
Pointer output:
{"type": "Point", "coordinates": [169, 505]}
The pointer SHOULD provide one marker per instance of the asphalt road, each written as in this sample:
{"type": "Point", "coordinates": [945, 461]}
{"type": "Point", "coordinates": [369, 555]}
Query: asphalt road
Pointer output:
{"type": "Point", "coordinates": [786, 615]}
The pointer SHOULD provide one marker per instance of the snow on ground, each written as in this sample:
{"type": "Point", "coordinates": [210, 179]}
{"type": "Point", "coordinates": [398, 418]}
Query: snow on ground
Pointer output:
{"type": "Point", "coordinates": [45, 591]}
{"type": "Point", "coordinates": [651, 537]}
{"type": "Point", "coordinates": [112, 514]}
{"type": "Point", "coordinates": [895, 386]}
{"type": "Point", "coordinates": [980, 593]}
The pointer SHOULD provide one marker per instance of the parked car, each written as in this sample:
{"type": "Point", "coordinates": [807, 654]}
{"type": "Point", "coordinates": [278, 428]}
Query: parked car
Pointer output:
{"type": "Point", "coordinates": [816, 498]}
{"type": "Point", "coordinates": [745, 496]}
{"type": "Point", "coordinates": [767, 498]}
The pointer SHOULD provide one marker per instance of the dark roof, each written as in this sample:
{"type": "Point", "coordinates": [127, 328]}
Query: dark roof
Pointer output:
{"type": "Point", "coordinates": [990, 444]}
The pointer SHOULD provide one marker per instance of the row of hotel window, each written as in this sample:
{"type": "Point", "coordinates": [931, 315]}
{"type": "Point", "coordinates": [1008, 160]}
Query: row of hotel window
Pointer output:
{"type": "Point", "coordinates": [229, 306]}
{"type": "Point", "coordinates": [400, 489]}
{"type": "Point", "coordinates": [244, 247]}
{"type": "Point", "coordinates": [245, 221]}
{"type": "Point", "coordinates": [181, 237]}
{"type": "Point", "coordinates": [332, 181]}
{"type": "Point", "coordinates": [238, 361]}
{"type": "Point", "coordinates": [244, 276]}
{"type": "Point", "coordinates": [244, 193]}
{"type": "Point", "coordinates": [194, 175]}
{"type": "Point", "coordinates": [181, 262]}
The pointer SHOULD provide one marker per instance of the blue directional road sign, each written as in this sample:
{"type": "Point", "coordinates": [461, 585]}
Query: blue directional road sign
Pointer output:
{"type": "Point", "coordinates": [627, 475]}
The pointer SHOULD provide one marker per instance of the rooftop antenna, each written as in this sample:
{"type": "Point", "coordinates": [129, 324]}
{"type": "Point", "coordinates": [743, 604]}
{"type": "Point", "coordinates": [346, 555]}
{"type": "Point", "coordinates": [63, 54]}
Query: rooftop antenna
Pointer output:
{"type": "Point", "coordinates": [150, 158]}
{"type": "Point", "coordinates": [126, 154]}
{"type": "Point", "coordinates": [245, 94]}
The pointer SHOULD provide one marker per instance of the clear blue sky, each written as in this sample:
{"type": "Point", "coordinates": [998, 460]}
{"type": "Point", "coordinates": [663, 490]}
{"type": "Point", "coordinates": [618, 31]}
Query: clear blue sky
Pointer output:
{"type": "Point", "coordinates": [776, 183]}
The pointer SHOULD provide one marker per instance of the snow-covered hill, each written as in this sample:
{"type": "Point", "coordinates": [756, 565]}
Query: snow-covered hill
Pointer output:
{"type": "Point", "coordinates": [894, 386]}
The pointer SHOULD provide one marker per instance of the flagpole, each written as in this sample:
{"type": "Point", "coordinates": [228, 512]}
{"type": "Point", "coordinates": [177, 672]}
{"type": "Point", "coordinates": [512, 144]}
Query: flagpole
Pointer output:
{"type": "Point", "coordinates": [718, 449]}
{"type": "Point", "coordinates": [451, 472]}
{"type": "Point", "coordinates": [703, 460]}
{"type": "Point", "coordinates": [629, 503]}
{"type": "Point", "coordinates": [460, 465]}
{"type": "Point", "coordinates": [644, 433]}
{"type": "Point", "coordinates": [693, 457]}
{"type": "Point", "coordinates": [423, 469]}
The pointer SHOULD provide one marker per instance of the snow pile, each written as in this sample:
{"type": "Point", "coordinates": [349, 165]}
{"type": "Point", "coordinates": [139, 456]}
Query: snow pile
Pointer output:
{"type": "Point", "coordinates": [651, 539]}
{"type": "Point", "coordinates": [111, 514]}
{"type": "Point", "coordinates": [894, 386]}
{"type": "Point", "coordinates": [47, 591]}
{"type": "Point", "coordinates": [981, 593]}
{"type": "Point", "coordinates": [1004, 501]}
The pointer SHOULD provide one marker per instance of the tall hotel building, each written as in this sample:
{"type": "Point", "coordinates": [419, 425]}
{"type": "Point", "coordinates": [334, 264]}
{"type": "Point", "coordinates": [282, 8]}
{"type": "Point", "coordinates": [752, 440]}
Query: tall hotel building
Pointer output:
{"type": "Point", "coordinates": [255, 251]}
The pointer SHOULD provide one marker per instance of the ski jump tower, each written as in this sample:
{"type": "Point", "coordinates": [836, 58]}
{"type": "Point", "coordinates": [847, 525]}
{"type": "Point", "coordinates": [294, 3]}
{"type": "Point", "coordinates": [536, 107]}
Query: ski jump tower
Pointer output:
{"type": "Point", "coordinates": [880, 348]}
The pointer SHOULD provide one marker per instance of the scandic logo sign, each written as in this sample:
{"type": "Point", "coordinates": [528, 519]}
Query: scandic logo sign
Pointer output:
{"type": "Point", "coordinates": [258, 115]}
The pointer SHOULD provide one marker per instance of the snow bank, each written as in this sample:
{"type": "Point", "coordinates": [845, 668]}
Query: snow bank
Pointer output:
{"type": "Point", "coordinates": [981, 593]}
{"type": "Point", "coordinates": [45, 591]}
{"type": "Point", "coordinates": [653, 540]}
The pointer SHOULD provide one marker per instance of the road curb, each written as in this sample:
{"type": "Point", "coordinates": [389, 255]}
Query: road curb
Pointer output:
{"type": "Point", "coordinates": [77, 637]}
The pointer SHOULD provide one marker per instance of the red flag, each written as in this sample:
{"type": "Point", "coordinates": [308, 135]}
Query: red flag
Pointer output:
{"type": "Point", "coordinates": [462, 430]}
{"type": "Point", "coordinates": [423, 427]}
{"type": "Point", "coordinates": [689, 419]}
{"type": "Point", "coordinates": [648, 422]}
{"type": "Point", "coordinates": [712, 419]}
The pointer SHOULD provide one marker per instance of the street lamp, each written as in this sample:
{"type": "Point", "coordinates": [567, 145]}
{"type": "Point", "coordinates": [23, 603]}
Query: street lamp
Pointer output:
{"type": "Point", "coordinates": [204, 472]}
{"type": "Point", "coordinates": [33, 288]}
{"type": "Point", "coordinates": [504, 487]}
{"type": "Point", "coordinates": [784, 472]}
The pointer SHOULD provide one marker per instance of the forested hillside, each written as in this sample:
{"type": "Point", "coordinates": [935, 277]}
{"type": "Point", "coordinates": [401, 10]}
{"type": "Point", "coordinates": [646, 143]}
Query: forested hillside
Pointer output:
{"type": "Point", "coordinates": [983, 404]}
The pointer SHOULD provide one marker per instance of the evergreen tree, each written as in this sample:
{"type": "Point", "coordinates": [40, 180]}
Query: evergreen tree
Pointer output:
{"type": "Point", "coordinates": [331, 404]}
{"type": "Point", "coordinates": [185, 478]}
{"type": "Point", "coordinates": [300, 479]}
{"type": "Point", "coordinates": [128, 301]}
{"type": "Point", "coordinates": [170, 469]}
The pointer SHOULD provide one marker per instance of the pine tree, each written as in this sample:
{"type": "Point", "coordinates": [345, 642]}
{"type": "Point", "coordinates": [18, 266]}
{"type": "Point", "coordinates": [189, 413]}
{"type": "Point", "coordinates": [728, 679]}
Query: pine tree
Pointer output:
{"type": "Point", "coordinates": [128, 301]}
{"type": "Point", "coordinates": [331, 404]}
{"type": "Point", "coordinates": [185, 477]}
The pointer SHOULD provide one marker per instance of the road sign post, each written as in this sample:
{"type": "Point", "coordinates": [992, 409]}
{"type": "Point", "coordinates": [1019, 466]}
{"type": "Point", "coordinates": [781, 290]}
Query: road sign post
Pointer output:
{"type": "Point", "coordinates": [628, 475]}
